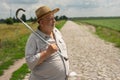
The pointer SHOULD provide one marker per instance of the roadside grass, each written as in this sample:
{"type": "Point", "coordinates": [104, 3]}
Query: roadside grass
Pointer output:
{"type": "Point", "coordinates": [60, 24]}
{"type": "Point", "coordinates": [11, 32]}
{"type": "Point", "coordinates": [12, 42]}
{"type": "Point", "coordinates": [20, 73]}
{"type": "Point", "coordinates": [13, 49]}
{"type": "Point", "coordinates": [112, 23]}
{"type": "Point", "coordinates": [109, 35]}
{"type": "Point", "coordinates": [107, 29]}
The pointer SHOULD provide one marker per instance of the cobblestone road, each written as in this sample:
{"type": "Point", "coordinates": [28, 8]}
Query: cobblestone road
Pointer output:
{"type": "Point", "coordinates": [91, 57]}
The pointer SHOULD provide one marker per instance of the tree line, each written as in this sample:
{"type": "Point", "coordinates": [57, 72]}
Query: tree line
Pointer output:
{"type": "Point", "coordinates": [13, 20]}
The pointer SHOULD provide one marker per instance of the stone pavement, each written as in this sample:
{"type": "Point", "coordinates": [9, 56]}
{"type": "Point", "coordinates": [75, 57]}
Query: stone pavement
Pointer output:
{"type": "Point", "coordinates": [91, 57]}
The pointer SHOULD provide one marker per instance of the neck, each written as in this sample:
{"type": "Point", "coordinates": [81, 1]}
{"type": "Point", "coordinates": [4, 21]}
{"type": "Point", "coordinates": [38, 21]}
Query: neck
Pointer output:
{"type": "Point", "coordinates": [45, 32]}
{"type": "Point", "coordinates": [50, 34]}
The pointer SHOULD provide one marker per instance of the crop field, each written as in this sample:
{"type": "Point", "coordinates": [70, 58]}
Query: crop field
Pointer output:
{"type": "Point", "coordinates": [106, 28]}
{"type": "Point", "coordinates": [12, 41]}
{"type": "Point", "coordinates": [112, 23]}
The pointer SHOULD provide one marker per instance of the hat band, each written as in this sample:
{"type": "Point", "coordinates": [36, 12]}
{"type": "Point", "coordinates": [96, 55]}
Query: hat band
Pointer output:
{"type": "Point", "coordinates": [43, 15]}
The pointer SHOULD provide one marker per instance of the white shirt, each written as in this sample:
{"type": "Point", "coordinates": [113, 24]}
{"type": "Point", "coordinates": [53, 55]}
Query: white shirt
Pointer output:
{"type": "Point", "coordinates": [52, 68]}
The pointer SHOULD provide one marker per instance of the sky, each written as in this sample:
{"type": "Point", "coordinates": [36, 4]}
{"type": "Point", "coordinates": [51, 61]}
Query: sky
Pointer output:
{"type": "Point", "coordinates": [70, 8]}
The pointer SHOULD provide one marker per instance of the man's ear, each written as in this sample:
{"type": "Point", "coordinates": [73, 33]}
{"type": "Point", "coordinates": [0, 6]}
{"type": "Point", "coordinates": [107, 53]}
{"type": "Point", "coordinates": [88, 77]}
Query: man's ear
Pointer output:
{"type": "Point", "coordinates": [40, 22]}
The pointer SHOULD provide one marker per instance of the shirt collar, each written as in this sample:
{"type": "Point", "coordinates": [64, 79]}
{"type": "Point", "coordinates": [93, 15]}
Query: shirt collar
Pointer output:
{"type": "Point", "coordinates": [43, 35]}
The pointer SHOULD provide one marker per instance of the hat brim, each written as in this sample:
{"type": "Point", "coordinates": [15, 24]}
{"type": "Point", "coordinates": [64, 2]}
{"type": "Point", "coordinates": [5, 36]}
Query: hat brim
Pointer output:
{"type": "Point", "coordinates": [50, 12]}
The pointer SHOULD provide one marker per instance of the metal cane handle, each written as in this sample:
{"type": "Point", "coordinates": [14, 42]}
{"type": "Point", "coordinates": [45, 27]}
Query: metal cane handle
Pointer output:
{"type": "Point", "coordinates": [20, 9]}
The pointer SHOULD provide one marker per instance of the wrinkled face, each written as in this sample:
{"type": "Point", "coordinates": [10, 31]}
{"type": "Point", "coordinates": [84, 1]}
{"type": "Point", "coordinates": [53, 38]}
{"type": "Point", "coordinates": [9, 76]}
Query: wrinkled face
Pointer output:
{"type": "Point", "coordinates": [47, 23]}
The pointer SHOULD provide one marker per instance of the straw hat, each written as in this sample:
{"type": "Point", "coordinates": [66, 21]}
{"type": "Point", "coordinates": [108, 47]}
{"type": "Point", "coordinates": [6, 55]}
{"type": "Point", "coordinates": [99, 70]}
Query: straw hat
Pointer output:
{"type": "Point", "coordinates": [43, 11]}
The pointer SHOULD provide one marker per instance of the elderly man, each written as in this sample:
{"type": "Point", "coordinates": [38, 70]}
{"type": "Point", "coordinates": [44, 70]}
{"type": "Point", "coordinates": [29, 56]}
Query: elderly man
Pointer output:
{"type": "Point", "coordinates": [43, 60]}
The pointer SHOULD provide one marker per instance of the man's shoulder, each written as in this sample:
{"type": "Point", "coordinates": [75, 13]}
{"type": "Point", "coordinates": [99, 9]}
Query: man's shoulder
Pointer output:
{"type": "Point", "coordinates": [57, 31]}
{"type": "Point", "coordinates": [33, 37]}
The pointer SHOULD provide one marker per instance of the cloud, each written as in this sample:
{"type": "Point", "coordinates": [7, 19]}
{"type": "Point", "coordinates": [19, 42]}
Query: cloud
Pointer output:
{"type": "Point", "coordinates": [22, 1]}
{"type": "Point", "coordinates": [84, 4]}
{"type": "Point", "coordinates": [113, 4]}
{"type": "Point", "coordinates": [70, 8]}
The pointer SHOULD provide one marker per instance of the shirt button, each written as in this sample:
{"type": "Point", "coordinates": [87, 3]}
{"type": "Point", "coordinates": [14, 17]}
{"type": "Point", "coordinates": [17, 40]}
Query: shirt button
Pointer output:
{"type": "Point", "coordinates": [60, 41]}
{"type": "Point", "coordinates": [46, 37]}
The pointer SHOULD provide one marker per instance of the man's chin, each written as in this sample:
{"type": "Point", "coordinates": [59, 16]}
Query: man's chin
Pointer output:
{"type": "Point", "coordinates": [53, 26]}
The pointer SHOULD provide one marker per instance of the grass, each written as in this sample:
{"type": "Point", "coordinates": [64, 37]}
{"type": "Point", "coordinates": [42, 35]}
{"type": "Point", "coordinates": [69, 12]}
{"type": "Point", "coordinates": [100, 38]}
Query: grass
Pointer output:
{"type": "Point", "coordinates": [60, 24]}
{"type": "Point", "coordinates": [112, 23]}
{"type": "Point", "coordinates": [109, 35]}
{"type": "Point", "coordinates": [12, 51]}
{"type": "Point", "coordinates": [107, 29]}
{"type": "Point", "coordinates": [11, 32]}
{"type": "Point", "coordinates": [13, 45]}
{"type": "Point", "coordinates": [20, 73]}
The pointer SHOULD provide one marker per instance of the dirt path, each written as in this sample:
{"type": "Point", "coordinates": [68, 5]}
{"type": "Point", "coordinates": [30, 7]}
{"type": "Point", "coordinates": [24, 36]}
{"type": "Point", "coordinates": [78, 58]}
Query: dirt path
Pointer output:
{"type": "Point", "coordinates": [91, 57]}
{"type": "Point", "coordinates": [8, 73]}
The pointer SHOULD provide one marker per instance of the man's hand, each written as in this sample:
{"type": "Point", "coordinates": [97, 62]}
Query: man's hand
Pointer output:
{"type": "Point", "coordinates": [45, 54]}
{"type": "Point", "coordinates": [52, 48]}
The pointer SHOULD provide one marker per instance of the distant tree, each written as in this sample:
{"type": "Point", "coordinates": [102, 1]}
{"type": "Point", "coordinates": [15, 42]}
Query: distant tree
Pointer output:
{"type": "Point", "coordinates": [15, 20]}
{"type": "Point", "coordinates": [56, 18]}
{"type": "Point", "coordinates": [2, 20]}
{"type": "Point", "coordinates": [35, 18]}
{"type": "Point", "coordinates": [60, 18]}
{"type": "Point", "coordinates": [31, 19]}
{"type": "Point", "coordinates": [9, 21]}
{"type": "Point", "coordinates": [23, 17]}
{"type": "Point", "coordinates": [63, 17]}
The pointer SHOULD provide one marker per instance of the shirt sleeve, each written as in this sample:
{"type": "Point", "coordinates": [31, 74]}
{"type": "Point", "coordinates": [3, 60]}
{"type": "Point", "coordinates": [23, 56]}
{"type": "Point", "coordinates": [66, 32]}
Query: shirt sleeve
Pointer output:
{"type": "Point", "coordinates": [31, 56]}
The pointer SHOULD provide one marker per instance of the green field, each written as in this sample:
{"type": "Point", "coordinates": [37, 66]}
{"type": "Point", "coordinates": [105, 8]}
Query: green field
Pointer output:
{"type": "Point", "coordinates": [112, 23]}
{"type": "Point", "coordinates": [106, 28]}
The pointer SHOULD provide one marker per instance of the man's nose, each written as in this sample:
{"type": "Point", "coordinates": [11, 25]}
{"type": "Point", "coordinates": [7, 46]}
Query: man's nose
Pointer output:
{"type": "Point", "coordinates": [54, 20]}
